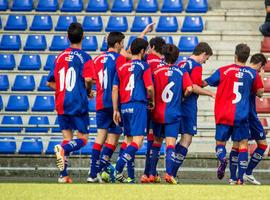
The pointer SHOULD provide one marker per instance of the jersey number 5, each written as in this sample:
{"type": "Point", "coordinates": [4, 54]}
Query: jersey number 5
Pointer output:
{"type": "Point", "coordinates": [238, 95]}
{"type": "Point", "coordinates": [167, 93]}
{"type": "Point", "coordinates": [69, 78]}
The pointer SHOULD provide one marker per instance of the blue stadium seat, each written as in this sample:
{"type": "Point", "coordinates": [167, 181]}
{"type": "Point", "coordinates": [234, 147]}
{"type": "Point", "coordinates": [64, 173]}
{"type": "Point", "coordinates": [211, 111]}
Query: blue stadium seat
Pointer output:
{"type": "Point", "coordinates": [56, 130]}
{"type": "Point", "coordinates": [192, 24]}
{"type": "Point", "coordinates": [143, 149]}
{"type": "Point", "coordinates": [24, 83]}
{"type": "Point", "coordinates": [0, 22]}
{"type": "Point", "coordinates": [181, 58]}
{"type": "Point", "coordinates": [117, 23]}
{"type": "Point", "coordinates": [53, 142]}
{"type": "Point", "coordinates": [1, 103]}
{"type": "Point", "coordinates": [7, 62]}
{"type": "Point", "coordinates": [4, 82]}
{"type": "Point", "coordinates": [92, 23]}
{"type": "Point", "coordinates": [42, 23]}
{"type": "Point", "coordinates": [64, 22]}
{"type": "Point", "coordinates": [131, 38]}
{"type": "Point", "coordinates": [168, 39]}
{"type": "Point", "coordinates": [17, 103]}
{"type": "Point", "coordinates": [31, 145]}
{"type": "Point", "coordinates": [197, 6]}
{"type": "Point", "coordinates": [72, 6]}
{"type": "Point", "coordinates": [97, 6]}
{"type": "Point", "coordinates": [167, 24]}
{"type": "Point", "coordinates": [10, 42]}
{"type": "Point", "coordinates": [188, 43]}
{"type": "Point", "coordinates": [122, 6]}
{"type": "Point", "coordinates": [104, 46]}
{"type": "Point", "coordinates": [38, 120]}
{"type": "Point", "coordinates": [16, 23]}
{"type": "Point", "coordinates": [50, 62]}
{"type": "Point", "coordinates": [30, 62]}
{"type": "Point", "coordinates": [7, 145]}
{"type": "Point", "coordinates": [92, 105]}
{"type": "Point", "coordinates": [147, 6]}
{"type": "Point", "coordinates": [140, 22]}
{"type": "Point", "coordinates": [43, 84]}
{"type": "Point", "coordinates": [93, 124]}
{"type": "Point", "coordinates": [47, 5]}
{"type": "Point", "coordinates": [86, 150]}
{"type": "Point", "coordinates": [3, 5]}
{"type": "Point", "coordinates": [172, 6]}
{"type": "Point", "coordinates": [59, 43]}
{"type": "Point", "coordinates": [44, 103]}
{"type": "Point", "coordinates": [163, 149]}
{"type": "Point", "coordinates": [22, 5]}
{"type": "Point", "coordinates": [90, 43]}
{"type": "Point", "coordinates": [35, 43]}
{"type": "Point", "coordinates": [7, 120]}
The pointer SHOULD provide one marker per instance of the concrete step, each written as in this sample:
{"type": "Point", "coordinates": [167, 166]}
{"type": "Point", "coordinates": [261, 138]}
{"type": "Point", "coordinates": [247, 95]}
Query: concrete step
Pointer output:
{"type": "Point", "coordinates": [232, 26]}
{"type": "Point", "coordinates": [242, 4]}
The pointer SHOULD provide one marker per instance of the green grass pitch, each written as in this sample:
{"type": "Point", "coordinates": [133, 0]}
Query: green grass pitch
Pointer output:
{"type": "Point", "coordinates": [28, 191]}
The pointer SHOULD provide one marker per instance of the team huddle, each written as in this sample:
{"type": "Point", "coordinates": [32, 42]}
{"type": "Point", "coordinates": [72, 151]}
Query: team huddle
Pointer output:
{"type": "Point", "coordinates": [142, 92]}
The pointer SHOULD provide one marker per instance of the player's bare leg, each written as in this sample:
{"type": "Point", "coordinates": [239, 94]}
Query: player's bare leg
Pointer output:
{"type": "Point", "coordinates": [221, 155]}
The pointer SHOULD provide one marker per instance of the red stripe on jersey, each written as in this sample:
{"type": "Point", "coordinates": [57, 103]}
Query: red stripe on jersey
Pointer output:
{"type": "Point", "coordinates": [125, 85]}
{"type": "Point", "coordinates": [89, 70]}
{"type": "Point", "coordinates": [153, 61]}
{"type": "Point", "coordinates": [196, 75]}
{"type": "Point", "coordinates": [257, 84]}
{"type": "Point", "coordinates": [61, 62]}
{"type": "Point", "coordinates": [147, 78]}
{"type": "Point", "coordinates": [186, 81]}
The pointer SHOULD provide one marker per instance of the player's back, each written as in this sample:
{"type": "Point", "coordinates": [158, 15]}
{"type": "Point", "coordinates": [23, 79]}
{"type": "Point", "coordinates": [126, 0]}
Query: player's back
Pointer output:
{"type": "Point", "coordinates": [133, 77]}
{"type": "Point", "coordinates": [153, 61]}
{"type": "Point", "coordinates": [69, 72]}
{"type": "Point", "coordinates": [168, 81]}
{"type": "Point", "coordinates": [105, 67]}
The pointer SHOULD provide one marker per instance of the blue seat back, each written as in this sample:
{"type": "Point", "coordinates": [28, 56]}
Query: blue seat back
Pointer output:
{"type": "Point", "coordinates": [10, 42]}
{"type": "Point", "coordinates": [172, 6]}
{"type": "Point", "coordinates": [3, 5]}
{"type": "Point", "coordinates": [192, 24]}
{"type": "Point", "coordinates": [7, 62]}
{"type": "Point", "coordinates": [147, 6]}
{"type": "Point", "coordinates": [22, 5]}
{"type": "Point", "coordinates": [93, 124]}
{"type": "Point", "coordinates": [92, 23]}
{"type": "Point", "coordinates": [47, 5]}
{"type": "Point", "coordinates": [72, 6]}
{"type": "Point", "coordinates": [197, 6]}
{"type": "Point", "coordinates": [16, 22]}
{"type": "Point", "coordinates": [35, 43]}
{"type": "Point", "coordinates": [43, 84]}
{"type": "Point", "coordinates": [41, 23]}
{"type": "Point", "coordinates": [142, 150]}
{"type": "Point", "coordinates": [30, 62]}
{"type": "Point", "coordinates": [44, 103]}
{"type": "Point", "coordinates": [31, 145]}
{"type": "Point", "coordinates": [4, 82]}
{"type": "Point", "coordinates": [168, 39]}
{"type": "Point", "coordinates": [97, 6]}
{"type": "Point", "coordinates": [122, 6]}
{"type": "Point", "coordinates": [17, 103]}
{"type": "Point", "coordinates": [64, 21]}
{"type": "Point", "coordinates": [89, 43]}
{"type": "Point", "coordinates": [50, 62]}
{"type": "Point", "coordinates": [52, 143]}
{"type": "Point", "coordinates": [56, 130]}
{"type": "Point", "coordinates": [104, 46]}
{"type": "Point", "coordinates": [167, 24]}
{"type": "Point", "coordinates": [131, 38]}
{"type": "Point", "coordinates": [24, 83]}
{"type": "Point", "coordinates": [92, 105]}
{"type": "Point", "coordinates": [180, 59]}
{"type": "Point", "coordinates": [1, 103]}
{"type": "Point", "coordinates": [7, 145]}
{"type": "Point", "coordinates": [188, 43]}
{"type": "Point", "coordinates": [38, 120]}
{"type": "Point", "coordinates": [11, 120]}
{"type": "Point", "coordinates": [59, 43]}
{"type": "Point", "coordinates": [117, 23]}
{"type": "Point", "coordinates": [140, 22]}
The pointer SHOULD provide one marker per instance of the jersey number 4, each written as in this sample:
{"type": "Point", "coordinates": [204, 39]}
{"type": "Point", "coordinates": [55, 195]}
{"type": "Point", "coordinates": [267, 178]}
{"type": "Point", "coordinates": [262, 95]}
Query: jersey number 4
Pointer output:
{"type": "Point", "coordinates": [130, 85]}
{"type": "Point", "coordinates": [69, 78]}
{"type": "Point", "coordinates": [238, 95]}
{"type": "Point", "coordinates": [167, 93]}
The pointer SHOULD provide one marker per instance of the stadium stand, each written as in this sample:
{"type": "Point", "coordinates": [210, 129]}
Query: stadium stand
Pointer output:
{"type": "Point", "coordinates": [47, 5]}
{"type": "Point", "coordinates": [72, 6]}
{"type": "Point", "coordinates": [41, 23]}
{"type": "Point", "coordinates": [16, 23]}
{"type": "Point", "coordinates": [192, 24]}
{"type": "Point", "coordinates": [147, 6]}
{"type": "Point", "coordinates": [172, 6]}
{"type": "Point", "coordinates": [16, 120]}
{"type": "Point", "coordinates": [7, 62]}
{"type": "Point", "coordinates": [4, 82]}
{"type": "Point", "coordinates": [140, 22]}
{"type": "Point", "coordinates": [24, 83]}
{"type": "Point", "coordinates": [64, 22]}
{"type": "Point", "coordinates": [31, 145]}
{"type": "Point", "coordinates": [3, 5]}
{"type": "Point", "coordinates": [117, 23]}
{"type": "Point", "coordinates": [30, 62]}
{"type": "Point", "coordinates": [97, 6]}
{"type": "Point", "coordinates": [92, 23]}
{"type": "Point", "coordinates": [17, 103]}
{"type": "Point", "coordinates": [167, 24]}
{"type": "Point", "coordinates": [7, 145]}
{"type": "Point", "coordinates": [50, 62]}
{"type": "Point", "coordinates": [59, 43]}
{"type": "Point", "coordinates": [35, 43]}
{"type": "Point", "coordinates": [38, 120]}
{"type": "Point", "coordinates": [188, 43]}
{"type": "Point", "coordinates": [90, 43]}
{"type": "Point", "coordinates": [22, 5]}
{"type": "Point", "coordinates": [10, 42]}
{"type": "Point", "coordinates": [122, 6]}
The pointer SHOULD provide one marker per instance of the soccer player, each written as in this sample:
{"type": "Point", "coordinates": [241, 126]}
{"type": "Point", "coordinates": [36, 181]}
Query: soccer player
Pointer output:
{"type": "Point", "coordinates": [71, 78]}
{"type": "Point", "coordinates": [153, 58]}
{"type": "Point", "coordinates": [188, 128]}
{"type": "Point", "coordinates": [234, 84]}
{"type": "Point", "coordinates": [105, 67]}
{"type": "Point", "coordinates": [257, 132]}
{"type": "Point", "coordinates": [133, 82]}
{"type": "Point", "coordinates": [170, 82]}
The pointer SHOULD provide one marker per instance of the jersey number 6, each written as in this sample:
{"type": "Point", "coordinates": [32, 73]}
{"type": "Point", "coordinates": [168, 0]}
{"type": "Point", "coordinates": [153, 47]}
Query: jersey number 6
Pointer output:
{"type": "Point", "coordinates": [167, 93]}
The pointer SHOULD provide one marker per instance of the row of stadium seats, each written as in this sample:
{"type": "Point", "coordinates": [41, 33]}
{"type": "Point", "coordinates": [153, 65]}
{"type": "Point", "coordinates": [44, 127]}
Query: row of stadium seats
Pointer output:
{"type": "Point", "coordinates": [103, 6]}
{"type": "Point", "coordinates": [61, 42]}
{"type": "Point", "coordinates": [94, 23]}
{"type": "Point", "coordinates": [41, 103]}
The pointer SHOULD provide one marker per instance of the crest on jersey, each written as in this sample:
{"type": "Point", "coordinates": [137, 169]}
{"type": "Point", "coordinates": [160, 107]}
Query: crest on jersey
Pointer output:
{"type": "Point", "coordinates": [69, 58]}
{"type": "Point", "coordinates": [169, 73]}
{"type": "Point", "coordinates": [239, 75]}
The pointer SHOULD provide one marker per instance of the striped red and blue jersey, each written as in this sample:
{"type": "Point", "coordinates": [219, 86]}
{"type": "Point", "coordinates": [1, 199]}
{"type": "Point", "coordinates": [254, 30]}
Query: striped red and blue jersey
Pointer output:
{"type": "Point", "coordinates": [71, 68]}
{"type": "Point", "coordinates": [253, 115]}
{"type": "Point", "coordinates": [152, 60]}
{"type": "Point", "coordinates": [234, 84]}
{"type": "Point", "coordinates": [105, 67]}
{"type": "Point", "coordinates": [170, 82]}
{"type": "Point", "coordinates": [133, 78]}
{"type": "Point", "coordinates": [194, 69]}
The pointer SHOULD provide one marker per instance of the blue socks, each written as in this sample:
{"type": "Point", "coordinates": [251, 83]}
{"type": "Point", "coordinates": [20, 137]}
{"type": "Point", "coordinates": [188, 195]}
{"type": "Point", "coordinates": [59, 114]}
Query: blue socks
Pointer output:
{"type": "Point", "coordinates": [170, 156]}
{"type": "Point", "coordinates": [106, 155]}
{"type": "Point", "coordinates": [155, 152]}
{"type": "Point", "coordinates": [233, 163]}
{"type": "Point", "coordinates": [256, 158]}
{"type": "Point", "coordinates": [221, 153]}
{"type": "Point", "coordinates": [94, 168]}
{"type": "Point", "coordinates": [180, 155]}
{"type": "Point", "coordinates": [64, 172]}
{"type": "Point", "coordinates": [242, 163]}
{"type": "Point", "coordinates": [150, 140]}
{"type": "Point", "coordinates": [74, 145]}
{"type": "Point", "coordinates": [131, 168]}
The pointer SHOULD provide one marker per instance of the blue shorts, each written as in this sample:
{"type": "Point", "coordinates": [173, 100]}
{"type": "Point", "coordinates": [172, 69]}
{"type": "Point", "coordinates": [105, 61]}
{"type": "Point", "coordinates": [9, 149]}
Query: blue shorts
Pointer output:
{"type": "Point", "coordinates": [105, 121]}
{"type": "Point", "coordinates": [237, 133]}
{"type": "Point", "coordinates": [74, 122]}
{"type": "Point", "coordinates": [188, 125]}
{"type": "Point", "coordinates": [256, 130]}
{"type": "Point", "coordinates": [166, 130]}
{"type": "Point", "coordinates": [134, 116]}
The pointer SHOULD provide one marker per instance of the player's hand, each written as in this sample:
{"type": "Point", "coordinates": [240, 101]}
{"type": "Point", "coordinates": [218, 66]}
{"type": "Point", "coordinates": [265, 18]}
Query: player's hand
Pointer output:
{"type": "Point", "coordinates": [148, 28]}
{"type": "Point", "coordinates": [116, 117]}
{"type": "Point", "coordinates": [151, 105]}
{"type": "Point", "coordinates": [213, 95]}
{"type": "Point", "coordinates": [90, 94]}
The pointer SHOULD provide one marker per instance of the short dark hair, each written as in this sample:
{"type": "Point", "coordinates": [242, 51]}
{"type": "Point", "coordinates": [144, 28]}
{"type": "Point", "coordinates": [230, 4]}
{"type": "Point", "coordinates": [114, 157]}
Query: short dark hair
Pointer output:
{"type": "Point", "coordinates": [158, 43]}
{"type": "Point", "coordinates": [170, 52]}
{"type": "Point", "coordinates": [75, 33]}
{"type": "Point", "coordinates": [137, 45]}
{"type": "Point", "coordinates": [203, 47]}
{"type": "Point", "coordinates": [242, 52]}
{"type": "Point", "coordinates": [258, 58]}
{"type": "Point", "coordinates": [114, 37]}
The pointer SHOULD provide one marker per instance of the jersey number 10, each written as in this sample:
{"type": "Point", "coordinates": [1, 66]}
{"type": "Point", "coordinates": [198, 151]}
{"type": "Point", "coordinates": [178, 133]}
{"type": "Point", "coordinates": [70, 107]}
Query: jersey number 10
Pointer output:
{"type": "Point", "coordinates": [69, 78]}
